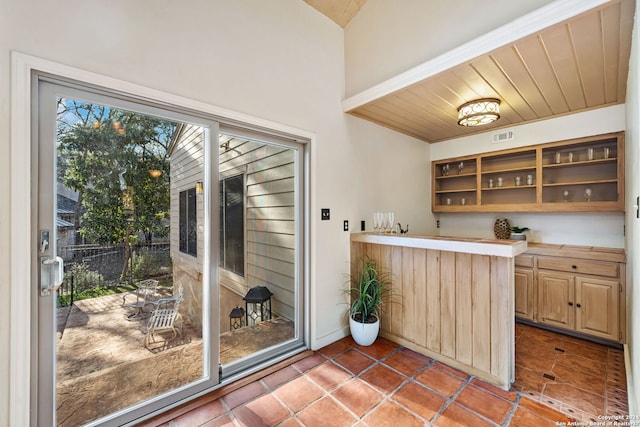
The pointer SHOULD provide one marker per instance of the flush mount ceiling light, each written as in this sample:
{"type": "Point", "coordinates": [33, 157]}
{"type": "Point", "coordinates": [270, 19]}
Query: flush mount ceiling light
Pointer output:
{"type": "Point", "coordinates": [479, 112]}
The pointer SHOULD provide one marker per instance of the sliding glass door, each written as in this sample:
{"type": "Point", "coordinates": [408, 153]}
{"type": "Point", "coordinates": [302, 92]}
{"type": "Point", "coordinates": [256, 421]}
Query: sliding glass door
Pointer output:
{"type": "Point", "coordinates": [121, 331]}
{"type": "Point", "coordinates": [169, 254]}
{"type": "Point", "coordinates": [261, 206]}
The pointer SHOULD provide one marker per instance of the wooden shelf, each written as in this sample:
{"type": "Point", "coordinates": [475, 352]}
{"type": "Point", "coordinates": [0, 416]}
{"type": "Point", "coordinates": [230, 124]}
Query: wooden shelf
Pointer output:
{"type": "Point", "coordinates": [595, 162]}
{"type": "Point", "coordinates": [580, 163]}
{"type": "Point", "coordinates": [562, 184]}
{"type": "Point", "coordinates": [509, 187]}
{"type": "Point", "coordinates": [462, 175]}
{"type": "Point", "coordinates": [507, 170]}
{"type": "Point", "coordinates": [462, 190]}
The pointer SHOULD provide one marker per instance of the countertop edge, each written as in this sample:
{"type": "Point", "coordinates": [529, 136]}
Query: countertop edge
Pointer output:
{"type": "Point", "coordinates": [491, 247]}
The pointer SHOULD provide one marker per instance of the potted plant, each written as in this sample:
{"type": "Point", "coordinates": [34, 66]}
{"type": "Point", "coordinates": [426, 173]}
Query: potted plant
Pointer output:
{"type": "Point", "coordinates": [517, 233]}
{"type": "Point", "coordinates": [369, 291]}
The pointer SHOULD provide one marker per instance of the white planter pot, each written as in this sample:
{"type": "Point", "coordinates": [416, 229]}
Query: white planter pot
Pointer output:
{"type": "Point", "coordinates": [364, 333]}
{"type": "Point", "coordinates": [518, 236]}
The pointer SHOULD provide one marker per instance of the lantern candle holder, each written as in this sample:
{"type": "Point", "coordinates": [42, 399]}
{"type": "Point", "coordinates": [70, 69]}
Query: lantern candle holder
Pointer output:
{"type": "Point", "coordinates": [258, 305]}
{"type": "Point", "coordinates": [236, 318]}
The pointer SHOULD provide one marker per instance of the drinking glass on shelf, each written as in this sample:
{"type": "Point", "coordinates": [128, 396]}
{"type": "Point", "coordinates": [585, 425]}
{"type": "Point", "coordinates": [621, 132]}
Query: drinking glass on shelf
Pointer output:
{"type": "Point", "coordinates": [460, 168]}
{"type": "Point", "coordinates": [391, 220]}
{"type": "Point", "coordinates": [558, 157]}
{"type": "Point", "coordinates": [463, 201]}
{"type": "Point", "coordinates": [445, 170]}
{"type": "Point", "coordinates": [565, 193]}
{"type": "Point", "coordinates": [570, 157]}
{"type": "Point", "coordinates": [529, 179]}
{"type": "Point", "coordinates": [490, 183]}
{"type": "Point", "coordinates": [590, 153]}
{"type": "Point", "coordinates": [587, 194]}
{"type": "Point", "coordinates": [500, 182]}
{"type": "Point", "coordinates": [517, 181]}
{"type": "Point", "coordinates": [448, 201]}
{"type": "Point", "coordinates": [606, 152]}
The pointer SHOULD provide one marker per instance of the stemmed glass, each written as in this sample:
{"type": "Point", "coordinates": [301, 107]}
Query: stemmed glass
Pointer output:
{"type": "Point", "coordinates": [390, 218]}
{"type": "Point", "coordinates": [587, 194]}
{"type": "Point", "coordinates": [384, 222]}
{"type": "Point", "coordinates": [376, 221]}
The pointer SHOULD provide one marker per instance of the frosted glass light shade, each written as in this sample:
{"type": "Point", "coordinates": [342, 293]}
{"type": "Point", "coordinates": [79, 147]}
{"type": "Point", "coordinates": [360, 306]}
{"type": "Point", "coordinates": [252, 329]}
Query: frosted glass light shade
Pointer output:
{"type": "Point", "coordinates": [479, 112]}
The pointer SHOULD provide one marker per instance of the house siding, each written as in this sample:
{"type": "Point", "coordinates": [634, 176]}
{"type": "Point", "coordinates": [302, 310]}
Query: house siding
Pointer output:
{"type": "Point", "coordinates": [270, 218]}
{"type": "Point", "coordinates": [186, 170]}
{"type": "Point", "coordinates": [269, 221]}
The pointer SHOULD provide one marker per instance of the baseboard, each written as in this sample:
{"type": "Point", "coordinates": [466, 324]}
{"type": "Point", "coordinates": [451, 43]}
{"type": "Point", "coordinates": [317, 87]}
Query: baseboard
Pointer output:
{"type": "Point", "coordinates": [634, 407]}
{"type": "Point", "coordinates": [330, 339]}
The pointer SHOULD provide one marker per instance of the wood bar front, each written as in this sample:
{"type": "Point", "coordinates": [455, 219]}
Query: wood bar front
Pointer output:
{"type": "Point", "coordinates": [453, 299]}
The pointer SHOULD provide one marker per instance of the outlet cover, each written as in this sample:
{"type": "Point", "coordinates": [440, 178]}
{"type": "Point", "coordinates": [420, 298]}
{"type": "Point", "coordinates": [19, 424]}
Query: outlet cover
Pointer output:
{"type": "Point", "coordinates": [325, 214]}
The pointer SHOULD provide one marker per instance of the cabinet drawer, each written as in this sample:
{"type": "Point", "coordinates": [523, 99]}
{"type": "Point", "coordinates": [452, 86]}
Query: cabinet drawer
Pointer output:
{"type": "Point", "coordinates": [524, 261]}
{"type": "Point", "coordinates": [597, 268]}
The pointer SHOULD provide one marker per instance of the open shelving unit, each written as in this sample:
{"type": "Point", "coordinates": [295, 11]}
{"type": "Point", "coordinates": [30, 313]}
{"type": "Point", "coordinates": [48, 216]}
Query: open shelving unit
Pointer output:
{"type": "Point", "coordinates": [585, 174]}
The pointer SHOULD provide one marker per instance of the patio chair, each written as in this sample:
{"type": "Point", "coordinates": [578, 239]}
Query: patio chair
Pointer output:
{"type": "Point", "coordinates": [145, 293]}
{"type": "Point", "coordinates": [165, 318]}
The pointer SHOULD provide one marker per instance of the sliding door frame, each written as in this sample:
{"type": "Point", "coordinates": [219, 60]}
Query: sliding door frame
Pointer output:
{"type": "Point", "coordinates": [22, 348]}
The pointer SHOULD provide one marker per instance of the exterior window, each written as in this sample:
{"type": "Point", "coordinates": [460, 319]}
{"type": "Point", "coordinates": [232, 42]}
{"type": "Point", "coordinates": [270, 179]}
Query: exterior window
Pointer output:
{"type": "Point", "coordinates": [232, 224]}
{"type": "Point", "coordinates": [188, 222]}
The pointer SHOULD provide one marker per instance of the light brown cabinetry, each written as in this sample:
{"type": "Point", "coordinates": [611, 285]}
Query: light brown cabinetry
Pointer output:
{"type": "Point", "coordinates": [585, 174]}
{"type": "Point", "coordinates": [555, 299]}
{"type": "Point", "coordinates": [579, 289]}
{"type": "Point", "coordinates": [449, 304]}
{"type": "Point", "coordinates": [524, 287]}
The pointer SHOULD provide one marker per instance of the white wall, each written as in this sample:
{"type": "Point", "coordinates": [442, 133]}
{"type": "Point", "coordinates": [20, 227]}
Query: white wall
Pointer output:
{"type": "Point", "coordinates": [277, 61]}
{"type": "Point", "coordinates": [633, 224]}
{"type": "Point", "coordinates": [387, 37]}
{"type": "Point", "coordinates": [575, 228]}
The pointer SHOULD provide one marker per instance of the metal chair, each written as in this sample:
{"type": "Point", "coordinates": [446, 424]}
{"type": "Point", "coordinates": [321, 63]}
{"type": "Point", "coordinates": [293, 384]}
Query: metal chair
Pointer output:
{"type": "Point", "coordinates": [165, 318]}
{"type": "Point", "coordinates": [145, 293]}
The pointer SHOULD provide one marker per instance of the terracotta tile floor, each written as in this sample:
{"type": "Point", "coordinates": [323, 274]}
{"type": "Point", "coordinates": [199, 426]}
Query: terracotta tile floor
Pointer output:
{"type": "Point", "coordinates": [577, 377]}
{"type": "Point", "coordinates": [388, 385]}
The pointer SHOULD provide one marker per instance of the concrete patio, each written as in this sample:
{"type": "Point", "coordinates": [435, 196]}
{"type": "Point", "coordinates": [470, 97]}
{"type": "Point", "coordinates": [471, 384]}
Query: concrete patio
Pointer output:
{"type": "Point", "coordinates": [101, 357]}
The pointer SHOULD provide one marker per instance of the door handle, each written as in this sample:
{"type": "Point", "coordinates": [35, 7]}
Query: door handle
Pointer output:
{"type": "Point", "coordinates": [51, 274]}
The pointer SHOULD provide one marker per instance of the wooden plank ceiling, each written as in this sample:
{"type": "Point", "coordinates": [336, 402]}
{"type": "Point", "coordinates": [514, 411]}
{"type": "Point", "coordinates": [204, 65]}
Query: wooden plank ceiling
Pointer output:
{"type": "Point", "coordinates": [339, 11]}
{"type": "Point", "coordinates": [574, 66]}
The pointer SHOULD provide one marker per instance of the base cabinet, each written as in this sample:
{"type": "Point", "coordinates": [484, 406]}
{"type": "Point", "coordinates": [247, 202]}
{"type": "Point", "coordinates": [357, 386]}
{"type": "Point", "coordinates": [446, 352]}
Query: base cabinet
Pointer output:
{"type": "Point", "coordinates": [524, 293]}
{"type": "Point", "coordinates": [555, 299]}
{"type": "Point", "coordinates": [577, 290]}
{"type": "Point", "coordinates": [597, 303]}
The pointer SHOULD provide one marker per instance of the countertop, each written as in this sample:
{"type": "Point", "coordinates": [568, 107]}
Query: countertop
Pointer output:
{"type": "Point", "coordinates": [493, 247]}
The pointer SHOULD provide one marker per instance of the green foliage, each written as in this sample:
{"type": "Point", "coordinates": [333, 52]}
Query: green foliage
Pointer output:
{"type": "Point", "coordinates": [65, 300]}
{"type": "Point", "coordinates": [145, 265]}
{"type": "Point", "coordinates": [519, 229]}
{"type": "Point", "coordinates": [83, 278]}
{"type": "Point", "coordinates": [106, 155]}
{"type": "Point", "coordinates": [370, 290]}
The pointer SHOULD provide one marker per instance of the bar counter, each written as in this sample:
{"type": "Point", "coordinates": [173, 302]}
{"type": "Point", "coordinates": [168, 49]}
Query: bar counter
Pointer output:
{"type": "Point", "coordinates": [453, 298]}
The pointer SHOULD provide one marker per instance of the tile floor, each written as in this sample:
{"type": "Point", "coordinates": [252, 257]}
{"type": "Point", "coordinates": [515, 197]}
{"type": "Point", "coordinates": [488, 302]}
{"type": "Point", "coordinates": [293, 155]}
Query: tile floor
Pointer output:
{"type": "Point", "coordinates": [577, 377]}
{"type": "Point", "coordinates": [388, 385]}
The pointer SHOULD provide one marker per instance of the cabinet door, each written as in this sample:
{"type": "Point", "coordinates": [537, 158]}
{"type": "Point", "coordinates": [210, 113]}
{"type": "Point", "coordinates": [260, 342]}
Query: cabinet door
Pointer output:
{"type": "Point", "coordinates": [556, 299]}
{"type": "Point", "coordinates": [524, 293]}
{"type": "Point", "coordinates": [597, 307]}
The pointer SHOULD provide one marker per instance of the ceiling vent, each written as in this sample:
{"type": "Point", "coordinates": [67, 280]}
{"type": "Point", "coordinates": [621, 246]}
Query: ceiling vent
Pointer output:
{"type": "Point", "coordinates": [508, 135]}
